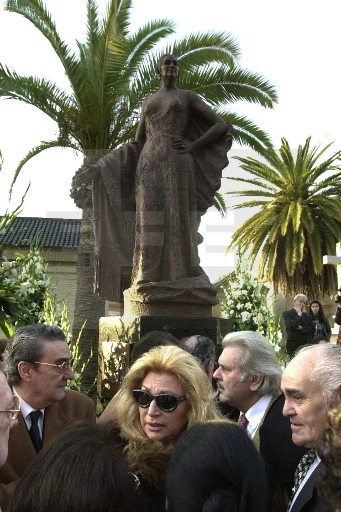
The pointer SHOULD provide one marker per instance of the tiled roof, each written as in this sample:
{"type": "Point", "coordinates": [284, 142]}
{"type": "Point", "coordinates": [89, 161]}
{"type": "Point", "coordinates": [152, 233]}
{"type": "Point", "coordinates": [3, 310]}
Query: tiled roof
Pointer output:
{"type": "Point", "coordinates": [57, 233]}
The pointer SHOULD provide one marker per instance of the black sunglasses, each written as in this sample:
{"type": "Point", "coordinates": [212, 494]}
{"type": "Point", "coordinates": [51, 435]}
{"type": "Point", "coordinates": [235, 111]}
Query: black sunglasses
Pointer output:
{"type": "Point", "coordinates": [165, 401]}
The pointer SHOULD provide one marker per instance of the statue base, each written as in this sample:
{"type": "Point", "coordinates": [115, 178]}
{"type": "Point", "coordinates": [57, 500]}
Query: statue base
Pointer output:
{"type": "Point", "coordinates": [175, 309]}
{"type": "Point", "coordinates": [187, 297]}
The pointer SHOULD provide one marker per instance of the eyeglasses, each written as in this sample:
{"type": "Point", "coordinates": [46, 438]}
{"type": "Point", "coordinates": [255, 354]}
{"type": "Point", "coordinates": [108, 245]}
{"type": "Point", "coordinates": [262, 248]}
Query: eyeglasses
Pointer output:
{"type": "Point", "coordinates": [165, 401]}
{"type": "Point", "coordinates": [60, 368]}
{"type": "Point", "coordinates": [16, 408]}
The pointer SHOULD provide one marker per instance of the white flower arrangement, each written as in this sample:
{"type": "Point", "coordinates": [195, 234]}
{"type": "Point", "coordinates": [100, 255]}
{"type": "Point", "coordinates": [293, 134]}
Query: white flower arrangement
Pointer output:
{"type": "Point", "coordinates": [34, 285]}
{"type": "Point", "coordinates": [23, 289]}
{"type": "Point", "coordinates": [246, 304]}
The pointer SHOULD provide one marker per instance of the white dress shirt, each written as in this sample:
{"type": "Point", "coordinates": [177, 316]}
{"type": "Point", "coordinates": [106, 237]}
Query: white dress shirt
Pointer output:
{"type": "Point", "coordinates": [255, 414]}
{"type": "Point", "coordinates": [26, 409]}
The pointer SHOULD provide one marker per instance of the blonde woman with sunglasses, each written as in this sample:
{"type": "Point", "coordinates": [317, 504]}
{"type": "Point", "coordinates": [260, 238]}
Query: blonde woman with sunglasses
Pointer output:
{"type": "Point", "coordinates": [165, 392]}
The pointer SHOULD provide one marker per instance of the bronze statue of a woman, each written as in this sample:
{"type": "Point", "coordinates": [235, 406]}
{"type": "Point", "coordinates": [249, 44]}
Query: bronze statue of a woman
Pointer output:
{"type": "Point", "coordinates": [179, 154]}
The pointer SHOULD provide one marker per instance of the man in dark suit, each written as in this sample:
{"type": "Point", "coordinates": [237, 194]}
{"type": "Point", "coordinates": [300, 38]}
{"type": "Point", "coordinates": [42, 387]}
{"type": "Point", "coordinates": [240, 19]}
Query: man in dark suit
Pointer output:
{"type": "Point", "coordinates": [249, 377]}
{"type": "Point", "coordinates": [37, 363]}
{"type": "Point", "coordinates": [299, 325]}
{"type": "Point", "coordinates": [311, 384]}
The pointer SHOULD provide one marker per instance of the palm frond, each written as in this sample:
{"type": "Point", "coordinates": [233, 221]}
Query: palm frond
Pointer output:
{"type": "Point", "coordinates": [246, 132]}
{"type": "Point", "coordinates": [140, 65]}
{"type": "Point", "coordinates": [33, 91]}
{"type": "Point", "coordinates": [233, 85]}
{"type": "Point", "coordinates": [205, 48]}
{"type": "Point", "coordinates": [122, 9]}
{"type": "Point", "coordinates": [33, 152]}
{"type": "Point", "coordinates": [35, 12]}
{"type": "Point", "coordinates": [219, 204]}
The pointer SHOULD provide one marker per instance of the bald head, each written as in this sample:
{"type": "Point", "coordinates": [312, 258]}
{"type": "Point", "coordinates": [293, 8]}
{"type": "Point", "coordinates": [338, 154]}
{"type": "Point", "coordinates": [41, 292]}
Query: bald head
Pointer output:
{"type": "Point", "coordinates": [305, 359]}
{"type": "Point", "coordinates": [311, 384]}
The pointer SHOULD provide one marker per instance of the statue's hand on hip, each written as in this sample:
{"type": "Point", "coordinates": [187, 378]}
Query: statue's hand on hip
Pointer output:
{"type": "Point", "coordinates": [182, 145]}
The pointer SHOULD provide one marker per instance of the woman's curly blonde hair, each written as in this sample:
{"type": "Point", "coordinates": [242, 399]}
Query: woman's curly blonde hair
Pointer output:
{"type": "Point", "coordinates": [176, 361]}
{"type": "Point", "coordinates": [329, 450]}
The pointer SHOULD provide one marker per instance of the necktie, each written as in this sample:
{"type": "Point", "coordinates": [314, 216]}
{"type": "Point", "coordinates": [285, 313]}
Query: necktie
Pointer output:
{"type": "Point", "coordinates": [243, 421]}
{"type": "Point", "coordinates": [34, 430]}
{"type": "Point", "coordinates": [302, 469]}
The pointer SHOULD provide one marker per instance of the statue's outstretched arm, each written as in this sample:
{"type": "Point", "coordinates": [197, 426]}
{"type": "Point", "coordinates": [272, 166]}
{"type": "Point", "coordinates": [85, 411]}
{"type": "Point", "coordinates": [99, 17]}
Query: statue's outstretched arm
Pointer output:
{"type": "Point", "coordinates": [89, 173]}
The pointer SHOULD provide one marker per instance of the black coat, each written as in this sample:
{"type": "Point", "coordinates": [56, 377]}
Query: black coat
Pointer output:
{"type": "Point", "coordinates": [308, 499]}
{"type": "Point", "coordinates": [297, 338]}
{"type": "Point", "coordinates": [280, 453]}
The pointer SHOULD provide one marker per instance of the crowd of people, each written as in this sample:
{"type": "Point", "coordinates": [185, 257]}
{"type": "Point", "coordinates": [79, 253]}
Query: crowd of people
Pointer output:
{"type": "Point", "coordinates": [163, 443]}
{"type": "Point", "coordinates": [307, 328]}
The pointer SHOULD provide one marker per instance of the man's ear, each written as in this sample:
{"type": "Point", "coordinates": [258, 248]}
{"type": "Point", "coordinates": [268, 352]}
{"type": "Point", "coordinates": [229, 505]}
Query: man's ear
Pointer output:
{"type": "Point", "coordinates": [256, 381]}
{"type": "Point", "coordinates": [25, 370]}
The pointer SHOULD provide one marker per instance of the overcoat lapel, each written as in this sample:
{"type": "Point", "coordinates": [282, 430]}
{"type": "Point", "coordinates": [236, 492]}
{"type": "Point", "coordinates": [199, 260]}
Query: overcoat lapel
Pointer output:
{"type": "Point", "coordinates": [20, 437]}
{"type": "Point", "coordinates": [54, 421]}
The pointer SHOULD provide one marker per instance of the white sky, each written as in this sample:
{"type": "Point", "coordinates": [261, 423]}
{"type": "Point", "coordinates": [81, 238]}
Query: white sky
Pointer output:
{"type": "Point", "coordinates": [295, 44]}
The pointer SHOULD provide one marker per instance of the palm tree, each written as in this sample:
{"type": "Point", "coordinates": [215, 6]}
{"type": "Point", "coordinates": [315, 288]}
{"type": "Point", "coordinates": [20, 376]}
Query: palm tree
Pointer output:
{"type": "Point", "coordinates": [109, 76]}
{"type": "Point", "coordinates": [298, 220]}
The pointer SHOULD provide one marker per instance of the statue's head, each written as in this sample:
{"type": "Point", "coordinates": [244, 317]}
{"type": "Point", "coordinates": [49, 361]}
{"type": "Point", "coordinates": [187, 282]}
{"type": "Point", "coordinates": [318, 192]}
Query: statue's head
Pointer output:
{"type": "Point", "coordinates": [167, 58]}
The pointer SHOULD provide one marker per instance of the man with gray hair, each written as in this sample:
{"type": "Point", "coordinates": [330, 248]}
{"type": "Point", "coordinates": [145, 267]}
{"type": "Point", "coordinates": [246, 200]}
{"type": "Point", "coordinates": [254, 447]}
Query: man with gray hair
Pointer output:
{"type": "Point", "coordinates": [299, 325]}
{"type": "Point", "coordinates": [203, 349]}
{"type": "Point", "coordinates": [311, 384]}
{"type": "Point", "coordinates": [38, 365]}
{"type": "Point", "coordinates": [249, 378]}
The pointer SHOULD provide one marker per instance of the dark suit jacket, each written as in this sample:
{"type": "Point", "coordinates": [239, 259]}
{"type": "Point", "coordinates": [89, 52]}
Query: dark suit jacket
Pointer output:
{"type": "Point", "coordinates": [297, 338]}
{"type": "Point", "coordinates": [74, 406]}
{"type": "Point", "coordinates": [280, 454]}
{"type": "Point", "coordinates": [308, 499]}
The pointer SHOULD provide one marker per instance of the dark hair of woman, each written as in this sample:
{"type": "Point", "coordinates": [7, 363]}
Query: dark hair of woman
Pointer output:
{"type": "Point", "coordinates": [319, 337]}
{"type": "Point", "coordinates": [320, 313]}
{"type": "Point", "coordinates": [320, 320]}
{"type": "Point", "coordinates": [213, 457]}
{"type": "Point", "coordinates": [221, 500]}
{"type": "Point", "coordinates": [151, 340]}
{"type": "Point", "coordinates": [81, 469]}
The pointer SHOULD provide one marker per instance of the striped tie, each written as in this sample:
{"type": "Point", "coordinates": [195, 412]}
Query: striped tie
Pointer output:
{"type": "Point", "coordinates": [243, 421]}
{"type": "Point", "coordinates": [302, 469]}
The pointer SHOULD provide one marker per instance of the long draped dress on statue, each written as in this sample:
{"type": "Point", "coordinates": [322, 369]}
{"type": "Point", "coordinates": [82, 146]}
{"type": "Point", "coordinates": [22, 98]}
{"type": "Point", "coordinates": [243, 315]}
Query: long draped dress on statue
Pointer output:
{"type": "Point", "coordinates": [171, 191]}
{"type": "Point", "coordinates": [166, 246]}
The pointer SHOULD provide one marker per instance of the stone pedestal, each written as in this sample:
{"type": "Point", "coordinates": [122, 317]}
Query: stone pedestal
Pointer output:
{"type": "Point", "coordinates": [187, 297]}
{"type": "Point", "coordinates": [117, 335]}
{"type": "Point", "coordinates": [163, 309]}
